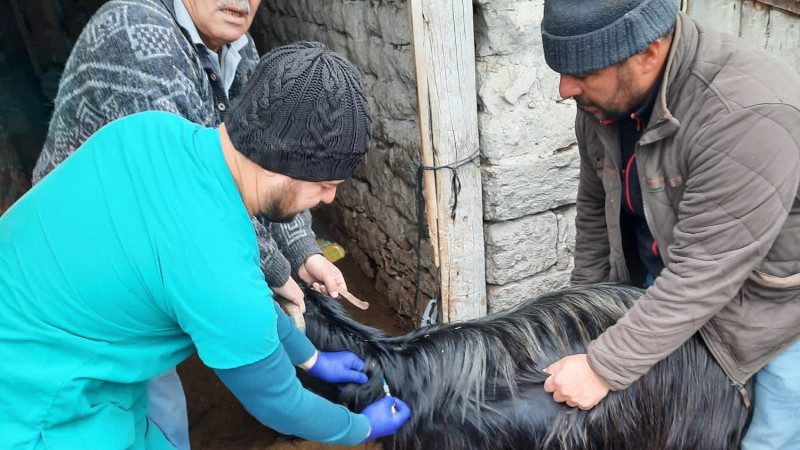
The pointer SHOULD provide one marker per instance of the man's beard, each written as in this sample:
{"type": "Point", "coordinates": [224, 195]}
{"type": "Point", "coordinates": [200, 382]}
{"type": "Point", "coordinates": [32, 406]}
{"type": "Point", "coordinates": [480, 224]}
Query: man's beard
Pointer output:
{"type": "Point", "coordinates": [274, 212]}
{"type": "Point", "coordinates": [613, 111]}
{"type": "Point", "coordinates": [624, 102]}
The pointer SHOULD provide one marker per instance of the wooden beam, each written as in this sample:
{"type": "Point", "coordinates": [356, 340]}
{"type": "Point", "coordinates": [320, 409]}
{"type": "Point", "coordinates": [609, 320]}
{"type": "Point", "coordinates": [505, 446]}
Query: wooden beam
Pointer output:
{"type": "Point", "coordinates": [423, 116]}
{"type": "Point", "coordinates": [788, 5]}
{"type": "Point", "coordinates": [444, 51]}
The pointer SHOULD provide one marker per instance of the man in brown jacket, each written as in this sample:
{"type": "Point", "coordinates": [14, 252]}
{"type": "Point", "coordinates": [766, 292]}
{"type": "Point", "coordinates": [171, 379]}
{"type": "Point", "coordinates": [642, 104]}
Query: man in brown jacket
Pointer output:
{"type": "Point", "coordinates": [690, 165]}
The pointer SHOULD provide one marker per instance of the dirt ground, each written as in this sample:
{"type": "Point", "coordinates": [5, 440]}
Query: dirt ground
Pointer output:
{"type": "Point", "coordinates": [217, 420]}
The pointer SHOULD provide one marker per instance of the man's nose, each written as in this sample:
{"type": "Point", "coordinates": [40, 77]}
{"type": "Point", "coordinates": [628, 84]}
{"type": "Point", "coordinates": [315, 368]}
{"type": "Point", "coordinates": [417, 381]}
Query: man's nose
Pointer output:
{"type": "Point", "coordinates": [568, 87]}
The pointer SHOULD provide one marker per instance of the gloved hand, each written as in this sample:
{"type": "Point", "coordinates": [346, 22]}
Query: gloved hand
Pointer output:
{"type": "Point", "coordinates": [338, 367]}
{"type": "Point", "coordinates": [382, 420]}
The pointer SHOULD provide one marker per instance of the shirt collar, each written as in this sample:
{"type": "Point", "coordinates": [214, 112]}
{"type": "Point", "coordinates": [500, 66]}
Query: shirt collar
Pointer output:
{"type": "Point", "coordinates": [644, 111]}
{"type": "Point", "coordinates": [185, 21]}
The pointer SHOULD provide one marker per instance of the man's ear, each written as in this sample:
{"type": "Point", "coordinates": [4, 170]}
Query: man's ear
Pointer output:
{"type": "Point", "coordinates": [651, 59]}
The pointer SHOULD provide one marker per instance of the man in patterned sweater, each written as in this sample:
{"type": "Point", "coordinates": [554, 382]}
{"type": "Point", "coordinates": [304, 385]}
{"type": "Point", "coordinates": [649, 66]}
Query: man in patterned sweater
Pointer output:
{"type": "Point", "coordinates": [190, 58]}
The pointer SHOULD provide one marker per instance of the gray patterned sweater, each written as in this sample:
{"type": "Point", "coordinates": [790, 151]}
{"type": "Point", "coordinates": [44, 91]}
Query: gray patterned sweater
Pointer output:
{"type": "Point", "coordinates": [132, 57]}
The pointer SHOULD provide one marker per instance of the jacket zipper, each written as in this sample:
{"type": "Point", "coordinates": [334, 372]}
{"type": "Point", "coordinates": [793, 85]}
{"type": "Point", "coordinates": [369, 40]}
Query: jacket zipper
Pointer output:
{"type": "Point", "coordinates": [615, 157]}
{"type": "Point", "coordinates": [743, 391]}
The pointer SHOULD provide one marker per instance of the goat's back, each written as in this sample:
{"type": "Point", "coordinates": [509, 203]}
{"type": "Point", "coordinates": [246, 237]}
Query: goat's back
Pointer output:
{"type": "Point", "coordinates": [478, 384]}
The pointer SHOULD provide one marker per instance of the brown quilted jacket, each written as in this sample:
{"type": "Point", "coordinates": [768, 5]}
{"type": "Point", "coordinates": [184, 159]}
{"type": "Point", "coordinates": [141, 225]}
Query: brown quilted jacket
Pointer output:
{"type": "Point", "coordinates": [719, 167]}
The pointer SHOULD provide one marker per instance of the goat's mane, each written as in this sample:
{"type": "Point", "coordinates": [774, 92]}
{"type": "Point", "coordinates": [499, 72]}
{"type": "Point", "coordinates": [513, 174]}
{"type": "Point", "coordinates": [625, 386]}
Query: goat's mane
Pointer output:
{"type": "Point", "coordinates": [484, 377]}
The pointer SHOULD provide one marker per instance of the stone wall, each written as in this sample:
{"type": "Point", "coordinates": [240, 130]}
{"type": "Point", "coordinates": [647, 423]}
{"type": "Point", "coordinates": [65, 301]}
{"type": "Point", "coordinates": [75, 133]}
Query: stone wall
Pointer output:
{"type": "Point", "coordinates": [528, 150]}
{"type": "Point", "coordinates": [374, 215]}
{"type": "Point", "coordinates": [773, 28]}
{"type": "Point", "coordinates": [527, 143]}
{"type": "Point", "coordinates": [530, 159]}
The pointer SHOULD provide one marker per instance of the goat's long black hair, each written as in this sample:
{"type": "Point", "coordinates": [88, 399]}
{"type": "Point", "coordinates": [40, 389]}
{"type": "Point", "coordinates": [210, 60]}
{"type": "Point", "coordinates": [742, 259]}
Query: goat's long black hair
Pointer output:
{"type": "Point", "coordinates": [478, 384]}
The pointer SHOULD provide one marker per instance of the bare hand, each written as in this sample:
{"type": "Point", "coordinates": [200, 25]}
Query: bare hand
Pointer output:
{"type": "Point", "coordinates": [572, 380]}
{"type": "Point", "coordinates": [291, 291]}
{"type": "Point", "coordinates": [317, 269]}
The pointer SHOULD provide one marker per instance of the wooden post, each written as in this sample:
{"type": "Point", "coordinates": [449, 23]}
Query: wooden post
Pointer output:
{"type": "Point", "coordinates": [444, 54]}
{"type": "Point", "coordinates": [423, 116]}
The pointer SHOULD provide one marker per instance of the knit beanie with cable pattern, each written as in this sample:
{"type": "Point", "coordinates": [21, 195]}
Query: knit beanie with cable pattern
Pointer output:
{"type": "Point", "coordinates": [303, 114]}
{"type": "Point", "coordinates": [581, 36]}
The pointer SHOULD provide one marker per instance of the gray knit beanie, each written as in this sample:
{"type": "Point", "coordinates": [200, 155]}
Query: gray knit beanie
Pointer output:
{"type": "Point", "coordinates": [581, 36]}
{"type": "Point", "coordinates": [303, 114]}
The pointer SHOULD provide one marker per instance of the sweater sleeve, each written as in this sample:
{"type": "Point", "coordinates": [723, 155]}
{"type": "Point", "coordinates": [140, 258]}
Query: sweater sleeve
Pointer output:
{"type": "Point", "coordinates": [295, 239]}
{"type": "Point", "coordinates": [271, 392]}
{"type": "Point", "coordinates": [274, 265]}
{"type": "Point", "coordinates": [732, 209]}
{"type": "Point", "coordinates": [127, 60]}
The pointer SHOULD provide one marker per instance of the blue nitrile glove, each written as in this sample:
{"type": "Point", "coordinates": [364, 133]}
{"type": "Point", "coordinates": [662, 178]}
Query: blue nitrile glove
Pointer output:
{"type": "Point", "coordinates": [386, 416]}
{"type": "Point", "coordinates": [338, 367]}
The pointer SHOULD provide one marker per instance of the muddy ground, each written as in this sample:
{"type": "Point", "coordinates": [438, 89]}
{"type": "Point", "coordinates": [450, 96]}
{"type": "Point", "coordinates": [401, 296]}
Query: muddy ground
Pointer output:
{"type": "Point", "coordinates": [217, 420]}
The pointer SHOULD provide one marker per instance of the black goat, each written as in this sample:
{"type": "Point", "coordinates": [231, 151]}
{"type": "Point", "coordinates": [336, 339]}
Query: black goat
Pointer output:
{"type": "Point", "coordinates": [479, 384]}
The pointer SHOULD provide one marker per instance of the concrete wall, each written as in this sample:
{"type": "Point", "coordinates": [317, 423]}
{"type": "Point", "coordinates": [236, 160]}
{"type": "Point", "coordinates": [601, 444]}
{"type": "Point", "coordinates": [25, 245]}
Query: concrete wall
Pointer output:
{"type": "Point", "coordinates": [772, 28]}
{"type": "Point", "coordinates": [374, 215]}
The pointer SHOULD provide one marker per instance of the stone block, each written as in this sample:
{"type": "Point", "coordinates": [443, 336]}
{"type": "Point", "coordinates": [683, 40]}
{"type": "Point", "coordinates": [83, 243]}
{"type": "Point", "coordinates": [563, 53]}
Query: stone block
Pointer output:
{"type": "Point", "coordinates": [508, 295]}
{"type": "Point", "coordinates": [523, 186]}
{"type": "Point", "coordinates": [520, 134]}
{"type": "Point", "coordinates": [502, 28]}
{"type": "Point", "coordinates": [566, 236]}
{"type": "Point", "coordinates": [394, 23]}
{"type": "Point", "coordinates": [520, 109]}
{"type": "Point", "coordinates": [404, 160]}
{"type": "Point", "coordinates": [504, 80]}
{"type": "Point", "coordinates": [520, 248]}
{"type": "Point", "coordinates": [390, 62]}
{"type": "Point", "coordinates": [392, 99]}
{"type": "Point", "coordinates": [401, 134]}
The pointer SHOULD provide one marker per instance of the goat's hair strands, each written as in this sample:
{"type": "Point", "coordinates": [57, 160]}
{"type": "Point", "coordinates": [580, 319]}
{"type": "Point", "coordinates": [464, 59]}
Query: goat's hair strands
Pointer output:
{"type": "Point", "coordinates": [478, 384]}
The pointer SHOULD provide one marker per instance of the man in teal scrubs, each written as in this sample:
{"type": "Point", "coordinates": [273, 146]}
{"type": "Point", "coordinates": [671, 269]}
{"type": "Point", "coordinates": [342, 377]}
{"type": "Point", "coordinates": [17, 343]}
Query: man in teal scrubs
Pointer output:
{"type": "Point", "coordinates": [103, 286]}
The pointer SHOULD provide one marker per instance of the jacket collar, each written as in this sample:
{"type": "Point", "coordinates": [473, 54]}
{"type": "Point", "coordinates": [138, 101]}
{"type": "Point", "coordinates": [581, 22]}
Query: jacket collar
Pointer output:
{"type": "Point", "coordinates": [662, 123]}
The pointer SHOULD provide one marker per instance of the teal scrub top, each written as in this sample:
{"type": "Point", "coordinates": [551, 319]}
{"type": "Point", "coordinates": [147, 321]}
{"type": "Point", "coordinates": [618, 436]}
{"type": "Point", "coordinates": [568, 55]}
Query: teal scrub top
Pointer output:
{"type": "Point", "coordinates": [132, 254]}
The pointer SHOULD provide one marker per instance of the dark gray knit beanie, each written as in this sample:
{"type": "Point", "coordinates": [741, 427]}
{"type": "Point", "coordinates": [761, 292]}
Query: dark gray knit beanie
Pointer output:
{"type": "Point", "coordinates": [303, 114]}
{"type": "Point", "coordinates": [581, 36]}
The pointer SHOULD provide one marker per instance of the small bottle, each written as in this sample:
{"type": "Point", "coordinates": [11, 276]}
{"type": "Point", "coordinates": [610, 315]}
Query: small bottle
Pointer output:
{"type": "Point", "coordinates": [331, 250]}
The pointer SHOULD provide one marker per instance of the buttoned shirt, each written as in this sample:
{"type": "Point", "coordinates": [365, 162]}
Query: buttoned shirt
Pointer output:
{"type": "Point", "coordinates": [225, 62]}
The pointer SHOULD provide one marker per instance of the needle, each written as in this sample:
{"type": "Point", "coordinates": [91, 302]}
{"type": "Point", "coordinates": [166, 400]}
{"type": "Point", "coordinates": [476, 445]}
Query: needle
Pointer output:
{"type": "Point", "coordinates": [388, 393]}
